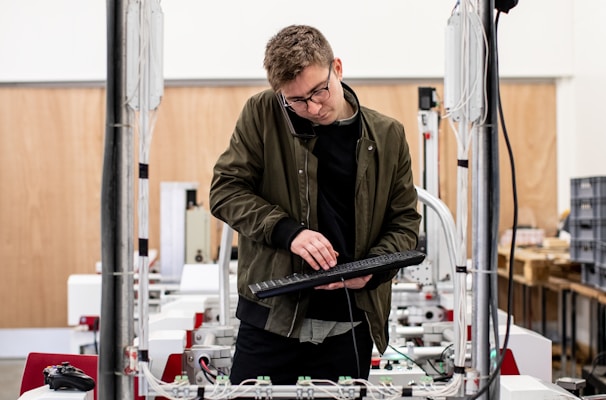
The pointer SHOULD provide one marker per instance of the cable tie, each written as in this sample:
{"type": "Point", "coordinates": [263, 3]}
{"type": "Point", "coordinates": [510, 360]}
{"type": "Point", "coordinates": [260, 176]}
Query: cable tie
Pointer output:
{"type": "Point", "coordinates": [461, 269]}
{"type": "Point", "coordinates": [117, 273]}
{"type": "Point", "coordinates": [143, 171]}
{"type": "Point", "coordinates": [463, 163]}
{"type": "Point", "coordinates": [200, 392]}
{"type": "Point", "coordinates": [143, 355]}
{"type": "Point", "coordinates": [482, 271]}
{"type": "Point", "coordinates": [459, 370]}
{"type": "Point", "coordinates": [121, 125]}
{"type": "Point", "coordinates": [143, 247]}
{"type": "Point", "coordinates": [406, 392]}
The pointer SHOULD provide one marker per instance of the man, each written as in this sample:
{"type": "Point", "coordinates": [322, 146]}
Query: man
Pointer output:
{"type": "Point", "coordinates": [312, 179]}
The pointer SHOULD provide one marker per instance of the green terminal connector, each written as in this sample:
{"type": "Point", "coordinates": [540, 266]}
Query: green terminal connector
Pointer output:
{"type": "Point", "coordinates": [181, 378]}
{"type": "Point", "coordinates": [303, 380]}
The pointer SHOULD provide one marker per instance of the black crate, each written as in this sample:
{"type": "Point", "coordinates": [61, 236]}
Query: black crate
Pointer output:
{"type": "Point", "coordinates": [582, 251]}
{"type": "Point", "coordinates": [589, 187]}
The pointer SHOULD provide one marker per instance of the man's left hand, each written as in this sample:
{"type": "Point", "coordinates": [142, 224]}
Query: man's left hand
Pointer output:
{"type": "Point", "coordinates": [353, 283]}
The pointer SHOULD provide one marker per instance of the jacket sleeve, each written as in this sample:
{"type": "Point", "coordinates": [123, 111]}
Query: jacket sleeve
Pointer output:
{"type": "Point", "coordinates": [234, 191]}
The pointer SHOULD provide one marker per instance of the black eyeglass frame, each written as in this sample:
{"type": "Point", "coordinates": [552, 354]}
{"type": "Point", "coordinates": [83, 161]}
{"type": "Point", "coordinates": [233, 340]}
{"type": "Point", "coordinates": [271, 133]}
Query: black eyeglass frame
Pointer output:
{"type": "Point", "coordinates": [305, 101]}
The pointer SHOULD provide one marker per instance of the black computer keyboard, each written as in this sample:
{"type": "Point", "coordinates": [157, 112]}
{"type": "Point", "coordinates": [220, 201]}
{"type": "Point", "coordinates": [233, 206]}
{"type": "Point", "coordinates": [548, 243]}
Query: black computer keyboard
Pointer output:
{"type": "Point", "coordinates": [349, 270]}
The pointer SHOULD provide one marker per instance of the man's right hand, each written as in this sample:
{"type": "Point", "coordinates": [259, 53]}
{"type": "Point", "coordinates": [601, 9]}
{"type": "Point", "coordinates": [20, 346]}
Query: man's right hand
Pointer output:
{"type": "Point", "coordinates": [315, 249]}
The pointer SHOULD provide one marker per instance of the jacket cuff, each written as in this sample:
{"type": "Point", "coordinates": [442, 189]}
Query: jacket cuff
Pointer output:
{"type": "Point", "coordinates": [284, 233]}
{"type": "Point", "coordinates": [379, 277]}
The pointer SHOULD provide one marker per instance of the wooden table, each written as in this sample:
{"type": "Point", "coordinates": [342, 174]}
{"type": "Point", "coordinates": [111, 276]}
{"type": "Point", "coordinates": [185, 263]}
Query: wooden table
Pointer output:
{"type": "Point", "coordinates": [594, 295]}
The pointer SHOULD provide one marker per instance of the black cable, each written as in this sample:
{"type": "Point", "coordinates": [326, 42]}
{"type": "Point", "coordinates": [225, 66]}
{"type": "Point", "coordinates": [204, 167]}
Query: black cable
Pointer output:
{"type": "Point", "coordinates": [95, 330]}
{"type": "Point", "coordinates": [499, 364]}
{"type": "Point", "coordinates": [594, 363]}
{"type": "Point", "coordinates": [207, 372]}
{"type": "Point", "coordinates": [208, 377]}
{"type": "Point", "coordinates": [515, 217]}
{"type": "Point", "coordinates": [410, 359]}
{"type": "Point", "coordinates": [435, 369]}
{"type": "Point", "coordinates": [442, 378]}
{"type": "Point", "coordinates": [353, 330]}
{"type": "Point", "coordinates": [445, 350]}
{"type": "Point", "coordinates": [495, 184]}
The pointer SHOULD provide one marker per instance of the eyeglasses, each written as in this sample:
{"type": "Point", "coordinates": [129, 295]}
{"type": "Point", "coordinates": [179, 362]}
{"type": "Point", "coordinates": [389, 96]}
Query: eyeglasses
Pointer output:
{"type": "Point", "coordinates": [318, 96]}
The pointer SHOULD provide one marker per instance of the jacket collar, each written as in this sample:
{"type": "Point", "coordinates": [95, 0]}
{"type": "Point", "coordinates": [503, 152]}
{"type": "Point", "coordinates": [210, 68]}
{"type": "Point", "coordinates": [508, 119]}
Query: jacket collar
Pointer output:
{"type": "Point", "coordinates": [303, 128]}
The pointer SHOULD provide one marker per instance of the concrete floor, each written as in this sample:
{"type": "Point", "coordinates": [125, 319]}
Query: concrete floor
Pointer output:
{"type": "Point", "coordinates": [11, 371]}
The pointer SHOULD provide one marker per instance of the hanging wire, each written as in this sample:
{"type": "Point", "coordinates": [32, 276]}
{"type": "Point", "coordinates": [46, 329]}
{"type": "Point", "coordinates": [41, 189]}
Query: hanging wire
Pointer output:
{"type": "Point", "coordinates": [145, 117]}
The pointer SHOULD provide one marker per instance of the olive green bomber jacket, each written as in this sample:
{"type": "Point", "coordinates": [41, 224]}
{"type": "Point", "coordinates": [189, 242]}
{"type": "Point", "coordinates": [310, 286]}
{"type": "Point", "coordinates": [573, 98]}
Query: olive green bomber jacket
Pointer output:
{"type": "Point", "coordinates": [268, 173]}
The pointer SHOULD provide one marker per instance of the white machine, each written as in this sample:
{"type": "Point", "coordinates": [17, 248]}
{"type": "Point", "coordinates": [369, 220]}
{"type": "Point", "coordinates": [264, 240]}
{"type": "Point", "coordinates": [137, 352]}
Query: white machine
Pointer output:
{"type": "Point", "coordinates": [184, 229]}
{"type": "Point", "coordinates": [45, 393]}
{"type": "Point", "coordinates": [525, 387]}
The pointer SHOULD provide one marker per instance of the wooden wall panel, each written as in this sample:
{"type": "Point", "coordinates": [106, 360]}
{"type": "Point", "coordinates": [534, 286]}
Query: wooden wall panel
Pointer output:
{"type": "Point", "coordinates": [529, 111]}
{"type": "Point", "coordinates": [50, 163]}
{"type": "Point", "coordinates": [51, 145]}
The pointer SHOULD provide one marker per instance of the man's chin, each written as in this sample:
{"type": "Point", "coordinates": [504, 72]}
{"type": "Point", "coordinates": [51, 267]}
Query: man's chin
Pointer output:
{"type": "Point", "coordinates": [324, 120]}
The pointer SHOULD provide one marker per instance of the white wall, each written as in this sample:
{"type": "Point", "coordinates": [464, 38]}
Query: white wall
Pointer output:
{"type": "Point", "coordinates": [65, 40]}
{"type": "Point", "coordinates": [60, 40]}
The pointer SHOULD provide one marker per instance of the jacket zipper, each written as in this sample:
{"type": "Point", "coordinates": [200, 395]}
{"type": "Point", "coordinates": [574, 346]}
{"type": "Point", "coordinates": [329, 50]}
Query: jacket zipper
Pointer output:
{"type": "Point", "coordinates": [307, 214]}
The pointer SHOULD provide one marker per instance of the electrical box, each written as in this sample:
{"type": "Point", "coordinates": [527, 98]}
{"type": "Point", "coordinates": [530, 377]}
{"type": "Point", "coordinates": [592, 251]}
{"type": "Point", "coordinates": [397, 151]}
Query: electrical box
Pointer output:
{"type": "Point", "coordinates": [197, 235]}
{"type": "Point", "coordinates": [175, 199]}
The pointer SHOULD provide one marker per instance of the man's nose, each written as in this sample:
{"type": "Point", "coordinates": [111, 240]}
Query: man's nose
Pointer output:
{"type": "Point", "coordinates": [313, 108]}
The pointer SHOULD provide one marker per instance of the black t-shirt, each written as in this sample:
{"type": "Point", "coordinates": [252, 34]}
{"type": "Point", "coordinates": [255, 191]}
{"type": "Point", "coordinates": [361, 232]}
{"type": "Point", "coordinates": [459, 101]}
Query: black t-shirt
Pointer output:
{"type": "Point", "coordinates": [335, 150]}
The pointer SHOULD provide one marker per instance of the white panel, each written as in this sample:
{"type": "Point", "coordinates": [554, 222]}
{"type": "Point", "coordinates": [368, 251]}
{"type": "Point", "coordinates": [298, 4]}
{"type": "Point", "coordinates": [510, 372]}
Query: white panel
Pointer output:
{"type": "Point", "coordinates": [59, 40]}
{"type": "Point", "coordinates": [83, 297]}
{"type": "Point", "coordinates": [173, 198]}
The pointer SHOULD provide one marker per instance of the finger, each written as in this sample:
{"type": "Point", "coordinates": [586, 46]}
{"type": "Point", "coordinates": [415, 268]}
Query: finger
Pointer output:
{"type": "Point", "coordinates": [315, 249]}
{"type": "Point", "coordinates": [309, 259]}
{"type": "Point", "coordinates": [359, 283]}
{"type": "Point", "coordinates": [325, 247]}
{"type": "Point", "coordinates": [330, 286]}
{"type": "Point", "coordinates": [354, 283]}
{"type": "Point", "coordinates": [322, 252]}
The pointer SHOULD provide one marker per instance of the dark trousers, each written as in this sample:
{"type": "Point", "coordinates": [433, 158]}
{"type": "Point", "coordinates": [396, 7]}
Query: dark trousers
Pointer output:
{"type": "Point", "coordinates": [262, 353]}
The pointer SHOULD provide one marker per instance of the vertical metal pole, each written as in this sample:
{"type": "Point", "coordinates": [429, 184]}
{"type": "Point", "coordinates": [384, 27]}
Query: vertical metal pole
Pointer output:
{"type": "Point", "coordinates": [564, 338]}
{"type": "Point", "coordinates": [144, 133]}
{"type": "Point", "coordinates": [480, 354]}
{"type": "Point", "coordinates": [485, 197]}
{"type": "Point", "coordinates": [573, 333]}
{"type": "Point", "coordinates": [224, 259]}
{"type": "Point", "coordinates": [117, 221]}
{"type": "Point", "coordinates": [543, 292]}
